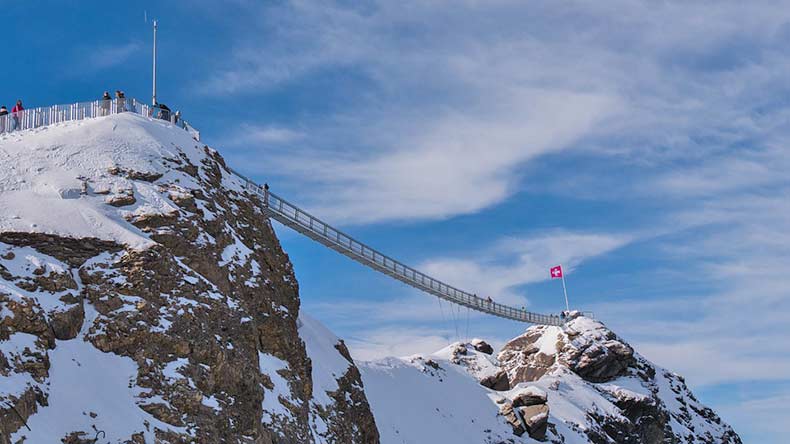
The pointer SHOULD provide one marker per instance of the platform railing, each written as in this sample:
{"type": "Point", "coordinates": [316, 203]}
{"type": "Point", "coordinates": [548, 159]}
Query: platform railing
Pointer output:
{"type": "Point", "coordinates": [50, 115]}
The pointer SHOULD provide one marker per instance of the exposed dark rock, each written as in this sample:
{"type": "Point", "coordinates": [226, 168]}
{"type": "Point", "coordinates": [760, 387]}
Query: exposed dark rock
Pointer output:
{"type": "Point", "coordinates": [497, 382]}
{"type": "Point", "coordinates": [67, 324]}
{"type": "Point", "coordinates": [71, 251]}
{"type": "Point", "coordinates": [483, 347]}
{"type": "Point", "coordinates": [603, 362]}
{"type": "Point", "coordinates": [536, 418]}
{"type": "Point", "coordinates": [512, 417]}
{"type": "Point", "coordinates": [530, 396]}
{"type": "Point", "coordinates": [121, 200]}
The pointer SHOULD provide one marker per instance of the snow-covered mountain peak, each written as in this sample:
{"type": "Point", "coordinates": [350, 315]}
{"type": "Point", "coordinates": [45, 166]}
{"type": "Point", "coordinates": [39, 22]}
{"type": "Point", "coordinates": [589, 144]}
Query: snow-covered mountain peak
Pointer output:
{"type": "Point", "coordinates": [90, 178]}
{"type": "Point", "coordinates": [579, 383]}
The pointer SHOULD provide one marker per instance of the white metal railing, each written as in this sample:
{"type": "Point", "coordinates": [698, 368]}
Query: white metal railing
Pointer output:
{"type": "Point", "coordinates": [44, 116]}
{"type": "Point", "coordinates": [303, 222]}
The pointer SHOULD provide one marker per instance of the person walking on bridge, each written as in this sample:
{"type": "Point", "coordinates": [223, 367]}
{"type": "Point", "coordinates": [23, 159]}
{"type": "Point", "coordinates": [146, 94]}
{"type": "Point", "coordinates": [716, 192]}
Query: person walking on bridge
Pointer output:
{"type": "Point", "coordinates": [15, 114]}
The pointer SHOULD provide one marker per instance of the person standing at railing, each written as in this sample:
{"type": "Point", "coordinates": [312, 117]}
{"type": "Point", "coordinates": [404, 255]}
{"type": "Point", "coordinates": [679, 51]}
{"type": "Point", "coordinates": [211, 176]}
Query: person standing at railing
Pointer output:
{"type": "Point", "coordinates": [120, 101]}
{"type": "Point", "coordinates": [106, 101]}
{"type": "Point", "coordinates": [15, 113]}
{"type": "Point", "coordinates": [164, 112]}
{"type": "Point", "coordinates": [3, 118]}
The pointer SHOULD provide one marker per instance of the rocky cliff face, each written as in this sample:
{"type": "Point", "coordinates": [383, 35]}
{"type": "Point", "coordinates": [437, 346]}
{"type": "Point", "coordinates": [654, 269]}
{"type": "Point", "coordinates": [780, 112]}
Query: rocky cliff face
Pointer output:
{"type": "Point", "coordinates": [576, 384]}
{"type": "Point", "coordinates": [145, 298]}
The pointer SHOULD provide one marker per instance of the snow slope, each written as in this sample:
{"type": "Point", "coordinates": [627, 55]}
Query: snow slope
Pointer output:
{"type": "Point", "coordinates": [422, 399]}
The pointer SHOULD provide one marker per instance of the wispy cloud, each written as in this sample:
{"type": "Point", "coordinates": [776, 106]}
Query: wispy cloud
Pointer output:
{"type": "Point", "coordinates": [765, 413]}
{"type": "Point", "coordinates": [108, 56]}
{"type": "Point", "coordinates": [394, 341]}
{"type": "Point", "coordinates": [255, 136]}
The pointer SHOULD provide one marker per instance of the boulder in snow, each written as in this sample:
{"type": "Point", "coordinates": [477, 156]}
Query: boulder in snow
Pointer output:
{"type": "Point", "coordinates": [498, 381]}
{"type": "Point", "coordinates": [536, 419]}
{"type": "Point", "coordinates": [601, 362]}
{"type": "Point", "coordinates": [530, 396]}
{"type": "Point", "coordinates": [482, 346]}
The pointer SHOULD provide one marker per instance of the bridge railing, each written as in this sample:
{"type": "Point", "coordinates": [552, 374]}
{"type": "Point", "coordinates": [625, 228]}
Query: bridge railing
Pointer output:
{"type": "Point", "coordinates": [50, 115]}
{"type": "Point", "coordinates": [319, 230]}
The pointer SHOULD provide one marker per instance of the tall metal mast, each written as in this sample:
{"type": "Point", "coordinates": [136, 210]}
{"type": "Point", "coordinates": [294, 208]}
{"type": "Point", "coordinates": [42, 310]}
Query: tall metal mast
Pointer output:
{"type": "Point", "coordinates": [154, 91]}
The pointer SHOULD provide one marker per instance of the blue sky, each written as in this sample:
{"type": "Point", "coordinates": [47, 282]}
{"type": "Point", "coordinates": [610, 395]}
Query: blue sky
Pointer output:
{"type": "Point", "coordinates": [642, 144]}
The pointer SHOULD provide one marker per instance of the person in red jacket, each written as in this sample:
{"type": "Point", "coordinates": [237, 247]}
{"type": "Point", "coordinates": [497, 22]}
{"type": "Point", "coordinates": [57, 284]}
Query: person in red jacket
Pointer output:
{"type": "Point", "coordinates": [15, 112]}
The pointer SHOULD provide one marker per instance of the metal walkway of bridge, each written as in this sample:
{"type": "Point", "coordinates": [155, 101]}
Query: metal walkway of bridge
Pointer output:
{"type": "Point", "coordinates": [299, 220]}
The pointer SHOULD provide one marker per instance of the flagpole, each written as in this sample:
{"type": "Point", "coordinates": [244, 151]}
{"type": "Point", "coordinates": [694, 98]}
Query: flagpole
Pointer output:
{"type": "Point", "coordinates": [153, 99]}
{"type": "Point", "coordinates": [565, 291]}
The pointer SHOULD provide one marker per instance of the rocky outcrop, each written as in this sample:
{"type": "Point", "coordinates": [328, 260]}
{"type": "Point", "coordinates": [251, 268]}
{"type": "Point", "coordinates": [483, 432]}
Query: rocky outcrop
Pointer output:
{"type": "Point", "coordinates": [523, 360]}
{"type": "Point", "coordinates": [536, 418]}
{"type": "Point", "coordinates": [513, 417]}
{"type": "Point", "coordinates": [529, 396]}
{"type": "Point", "coordinates": [532, 419]}
{"type": "Point", "coordinates": [651, 406]}
{"type": "Point", "coordinates": [498, 381]}
{"type": "Point", "coordinates": [601, 362]}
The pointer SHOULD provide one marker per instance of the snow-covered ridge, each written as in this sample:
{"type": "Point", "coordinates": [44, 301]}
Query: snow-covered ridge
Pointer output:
{"type": "Point", "coordinates": [82, 179]}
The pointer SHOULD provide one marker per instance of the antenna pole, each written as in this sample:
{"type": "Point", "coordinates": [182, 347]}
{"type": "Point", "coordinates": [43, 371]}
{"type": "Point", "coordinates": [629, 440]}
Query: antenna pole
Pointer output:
{"type": "Point", "coordinates": [154, 89]}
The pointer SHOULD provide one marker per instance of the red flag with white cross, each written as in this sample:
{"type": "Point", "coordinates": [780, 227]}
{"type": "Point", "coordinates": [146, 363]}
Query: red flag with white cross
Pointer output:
{"type": "Point", "coordinates": [556, 272]}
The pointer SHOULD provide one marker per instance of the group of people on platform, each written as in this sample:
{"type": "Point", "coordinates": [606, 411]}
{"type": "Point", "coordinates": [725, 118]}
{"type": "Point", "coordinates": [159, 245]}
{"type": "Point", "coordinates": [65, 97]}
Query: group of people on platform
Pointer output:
{"type": "Point", "coordinates": [10, 120]}
{"type": "Point", "coordinates": [106, 102]}
{"type": "Point", "coordinates": [159, 111]}
{"type": "Point", "coordinates": [13, 123]}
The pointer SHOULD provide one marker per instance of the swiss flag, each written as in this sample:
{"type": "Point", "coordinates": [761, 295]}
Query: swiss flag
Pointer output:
{"type": "Point", "coordinates": [556, 272]}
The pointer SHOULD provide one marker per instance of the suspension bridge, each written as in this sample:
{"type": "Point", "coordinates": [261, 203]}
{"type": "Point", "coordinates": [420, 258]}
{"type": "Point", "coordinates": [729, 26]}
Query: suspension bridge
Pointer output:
{"type": "Point", "coordinates": [285, 212]}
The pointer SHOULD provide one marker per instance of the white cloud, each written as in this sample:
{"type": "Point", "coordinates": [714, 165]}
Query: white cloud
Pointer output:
{"type": "Point", "coordinates": [254, 136]}
{"type": "Point", "coordinates": [768, 414]}
{"type": "Point", "coordinates": [108, 56]}
{"type": "Point", "coordinates": [395, 341]}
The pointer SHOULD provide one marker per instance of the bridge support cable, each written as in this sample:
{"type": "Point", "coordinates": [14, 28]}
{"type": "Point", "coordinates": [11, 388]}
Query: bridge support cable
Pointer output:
{"type": "Point", "coordinates": [444, 321]}
{"type": "Point", "coordinates": [303, 222]}
{"type": "Point", "coordinates": [467, 324]}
